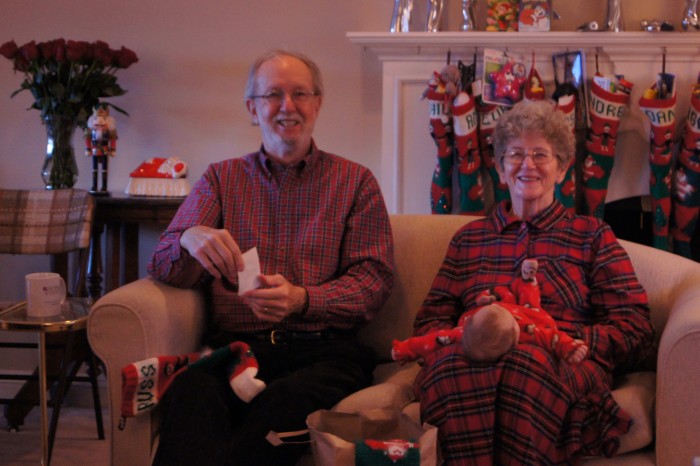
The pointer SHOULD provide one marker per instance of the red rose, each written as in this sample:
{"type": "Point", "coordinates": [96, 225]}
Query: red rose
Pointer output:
{"type": "Point", "coordinates": [29, 51]}
{"type": "Point", "coordinates": [59, 50]}
{"type": "Point", "coordinates": [77, 50]}
{"type": "Point", "coordinates": [124, 58]}
{"type": "Point", "coordinates": [102, 53]}
{"type": "Point", "coordinates": [9, 50]}
{"type": "Point", "coordinates": [45, 50]}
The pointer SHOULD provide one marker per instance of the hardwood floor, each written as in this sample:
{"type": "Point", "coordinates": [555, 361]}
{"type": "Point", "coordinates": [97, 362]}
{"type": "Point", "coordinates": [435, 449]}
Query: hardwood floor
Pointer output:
{"type": "Point", "coordinates": [76, 440]}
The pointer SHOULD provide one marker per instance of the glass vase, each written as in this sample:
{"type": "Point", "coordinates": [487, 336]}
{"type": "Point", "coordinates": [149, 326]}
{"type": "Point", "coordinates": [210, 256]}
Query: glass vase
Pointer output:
{"type": "Point", "coordinates": [60, 169]}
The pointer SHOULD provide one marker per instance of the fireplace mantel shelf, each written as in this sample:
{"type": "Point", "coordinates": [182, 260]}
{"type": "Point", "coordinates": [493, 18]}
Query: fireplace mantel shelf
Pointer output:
{"type": "Point", "coordinates": [430, 45]}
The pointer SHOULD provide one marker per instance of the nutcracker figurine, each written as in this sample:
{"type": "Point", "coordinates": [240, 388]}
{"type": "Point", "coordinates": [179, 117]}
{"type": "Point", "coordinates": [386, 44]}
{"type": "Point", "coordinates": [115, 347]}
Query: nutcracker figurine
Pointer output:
{"type": "Point", "coordinates": [100, 144]}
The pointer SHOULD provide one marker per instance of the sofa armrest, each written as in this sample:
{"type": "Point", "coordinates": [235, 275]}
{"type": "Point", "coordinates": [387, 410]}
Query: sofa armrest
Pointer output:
{"type": "Point", "coordinates": [678, 379]}
{"type": "Point", "coordinates": [142, 319]}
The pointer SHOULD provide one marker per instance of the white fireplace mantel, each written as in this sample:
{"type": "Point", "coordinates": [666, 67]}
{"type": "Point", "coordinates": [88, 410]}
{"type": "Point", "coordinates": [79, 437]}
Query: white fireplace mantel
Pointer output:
{"type": "Point", "coordinates": [430, 45]}
{"type": "Point", "coordinates": [408, 59]}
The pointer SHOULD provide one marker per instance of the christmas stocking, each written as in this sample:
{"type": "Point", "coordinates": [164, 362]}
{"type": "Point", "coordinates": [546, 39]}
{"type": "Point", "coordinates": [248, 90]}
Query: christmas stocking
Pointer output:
{"type": "Point", "coordinates": [488, 116]}
{"type": "Point", "coordinates": [145, 382]}
{"type": "Point", "coordinates": [659, 105]}
{"type": "Point", "coordinates": [565, 191]}
{"type": "Point", "coordinates": [442, 88]}
{"type": "Point", "coordinates": [686, 192]}
{"type": "Point", "coordinates": [609, 97]}
{"type": "Point", "coordinates": [466, 142]}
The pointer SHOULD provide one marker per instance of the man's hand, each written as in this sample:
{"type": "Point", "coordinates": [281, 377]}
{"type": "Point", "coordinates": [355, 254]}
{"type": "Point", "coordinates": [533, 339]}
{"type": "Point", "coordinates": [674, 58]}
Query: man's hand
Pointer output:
{"type": "Point", "coordinates": [215, 249]}
{"type": "Point", "coordinates": [276, 298]}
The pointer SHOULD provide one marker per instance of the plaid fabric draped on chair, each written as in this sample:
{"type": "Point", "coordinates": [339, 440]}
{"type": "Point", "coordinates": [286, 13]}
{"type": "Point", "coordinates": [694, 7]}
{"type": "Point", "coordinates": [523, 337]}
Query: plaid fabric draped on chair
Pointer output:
{"type": "Point", "coordinates": [45, 221]}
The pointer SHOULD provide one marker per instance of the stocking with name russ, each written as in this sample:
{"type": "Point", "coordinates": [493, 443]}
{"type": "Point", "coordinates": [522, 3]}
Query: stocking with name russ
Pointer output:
{"type": "Point", "coordinates": [659, 105]}
{"type": "Point", "coordinates": [686, 180]}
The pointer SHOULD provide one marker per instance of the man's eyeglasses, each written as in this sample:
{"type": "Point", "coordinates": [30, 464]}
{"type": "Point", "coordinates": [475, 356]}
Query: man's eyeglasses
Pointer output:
{"type": "Point", "coordinates": [276, 97]}
{"type": "Point", "coordinates": [517, 157]}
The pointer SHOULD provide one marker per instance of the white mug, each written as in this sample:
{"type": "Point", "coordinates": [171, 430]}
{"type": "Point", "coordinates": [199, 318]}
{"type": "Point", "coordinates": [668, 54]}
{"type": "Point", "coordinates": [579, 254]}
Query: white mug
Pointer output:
{"type": "Point", "coordinates": [46, 293]}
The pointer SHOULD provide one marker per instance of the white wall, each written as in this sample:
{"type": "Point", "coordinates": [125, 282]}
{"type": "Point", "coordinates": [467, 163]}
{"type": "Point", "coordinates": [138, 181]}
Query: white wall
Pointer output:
{"type": "Point", "coordinates": [185, 96]}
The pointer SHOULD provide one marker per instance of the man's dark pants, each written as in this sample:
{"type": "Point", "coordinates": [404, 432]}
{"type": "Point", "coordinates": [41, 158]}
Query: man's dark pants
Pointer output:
{"type": "Point", "coordinates": [206, 424]}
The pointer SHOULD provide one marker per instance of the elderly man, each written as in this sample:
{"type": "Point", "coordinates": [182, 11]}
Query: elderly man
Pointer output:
{"type": "Point", "coordinates": [322, 232]}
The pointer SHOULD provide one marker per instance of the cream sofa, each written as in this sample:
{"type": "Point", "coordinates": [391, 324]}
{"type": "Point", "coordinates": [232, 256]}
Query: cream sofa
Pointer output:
{"type": "Point", "coordinates": [146, 318]}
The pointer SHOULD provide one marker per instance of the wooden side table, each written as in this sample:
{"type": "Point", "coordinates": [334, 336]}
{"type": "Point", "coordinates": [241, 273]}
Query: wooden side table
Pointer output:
{"type": "Point", "coordinates": [120, 215]}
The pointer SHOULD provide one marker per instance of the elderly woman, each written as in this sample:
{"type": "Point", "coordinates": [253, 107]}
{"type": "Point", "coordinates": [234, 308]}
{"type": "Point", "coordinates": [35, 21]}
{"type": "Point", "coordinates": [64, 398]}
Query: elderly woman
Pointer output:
{"type": "Point", "coordinates": [527, 407]}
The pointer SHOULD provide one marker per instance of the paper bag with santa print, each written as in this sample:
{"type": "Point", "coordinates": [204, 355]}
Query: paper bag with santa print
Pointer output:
{"type": "Point", "coordinates": [346, 439]}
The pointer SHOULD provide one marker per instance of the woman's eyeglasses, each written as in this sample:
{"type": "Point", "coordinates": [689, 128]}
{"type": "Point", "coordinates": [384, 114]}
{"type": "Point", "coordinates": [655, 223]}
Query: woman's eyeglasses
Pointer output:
{"type": "Point", "coordinates": [517, 157]}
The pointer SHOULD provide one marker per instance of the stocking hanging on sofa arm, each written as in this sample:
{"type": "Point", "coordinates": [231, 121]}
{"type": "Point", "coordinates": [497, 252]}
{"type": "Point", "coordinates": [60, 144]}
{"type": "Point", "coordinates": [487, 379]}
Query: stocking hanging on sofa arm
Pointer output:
{"type": "Point", "coordinates": [686, 179]}
{"type": "Point", "coordinates": [145, 382]}
{"type": "Point", "coordinates": [659, 105]}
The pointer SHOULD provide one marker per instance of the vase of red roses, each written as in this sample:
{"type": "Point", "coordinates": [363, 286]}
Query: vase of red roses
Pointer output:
{"type": "Point", "coordinates": [66, 79]}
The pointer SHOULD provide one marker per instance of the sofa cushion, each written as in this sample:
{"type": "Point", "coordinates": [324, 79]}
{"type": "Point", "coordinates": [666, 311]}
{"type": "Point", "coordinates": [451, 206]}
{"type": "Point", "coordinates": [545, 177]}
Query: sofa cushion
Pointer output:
{"type": "Point", "coordinates": [635, 393]}
{"type": "Point", "coordinates": [419, 253]}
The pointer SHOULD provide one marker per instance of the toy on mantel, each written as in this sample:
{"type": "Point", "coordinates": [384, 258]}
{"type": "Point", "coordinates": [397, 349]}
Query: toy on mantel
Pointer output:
{"type": "Point", "coordinates": [159, 176]}
{"type": "Point", "coordinates": [100, 144]}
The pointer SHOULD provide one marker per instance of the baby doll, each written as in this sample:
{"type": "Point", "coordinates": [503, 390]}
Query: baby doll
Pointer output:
{"type": "Point", "coordinates": [524, 290]}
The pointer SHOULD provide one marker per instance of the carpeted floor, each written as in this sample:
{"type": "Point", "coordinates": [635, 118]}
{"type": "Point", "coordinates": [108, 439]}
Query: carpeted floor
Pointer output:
{"type": "Point", "coordinates": [76, 440]}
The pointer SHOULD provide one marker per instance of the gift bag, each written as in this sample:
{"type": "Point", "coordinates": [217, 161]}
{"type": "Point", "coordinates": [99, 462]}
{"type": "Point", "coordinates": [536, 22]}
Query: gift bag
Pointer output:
{"type": "Point", "coordinates": [376, 436]}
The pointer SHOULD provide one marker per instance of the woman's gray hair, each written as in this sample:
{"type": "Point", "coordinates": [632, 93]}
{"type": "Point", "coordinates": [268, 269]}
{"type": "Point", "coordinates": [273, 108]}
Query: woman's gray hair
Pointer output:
{"type": "Point", "coordinates": [273, 54]}
{"type": "Point", "coordinates": [539, 118]}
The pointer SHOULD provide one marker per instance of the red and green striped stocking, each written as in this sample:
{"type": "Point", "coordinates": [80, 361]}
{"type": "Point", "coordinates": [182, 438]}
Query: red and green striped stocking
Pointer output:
{"type": "Point", "coordinates": [686, 180]}
{"type": "Point", "coordinates": [659, 105]}
{"type": "Point", "coordinates": [466, 143]}
{"type": "Point", "coordinates": [608, 100]}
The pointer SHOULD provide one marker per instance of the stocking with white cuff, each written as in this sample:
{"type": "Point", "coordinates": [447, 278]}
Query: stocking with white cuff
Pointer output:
{"type": "Point", "coordinates": [488, 117]}
{"type": "Point", "coordinates": [565, 191]}
{"type": "Point", "coordinates": [686, 179]}
{"type": "Point", "coordinates": [439, 107]}
{"type": "Point", "coordinates": [606, 107]}
{"type": "Point", "coordinates": [145, 382]}
{"type": "Point", "coordinates": [466, 144]}
{"type": "Point", "coordinates": [659, 105]}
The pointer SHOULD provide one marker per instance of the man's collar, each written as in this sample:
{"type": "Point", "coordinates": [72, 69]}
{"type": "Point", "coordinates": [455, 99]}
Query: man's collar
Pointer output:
{"type": "Point", "coordinates": [308, 161]}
